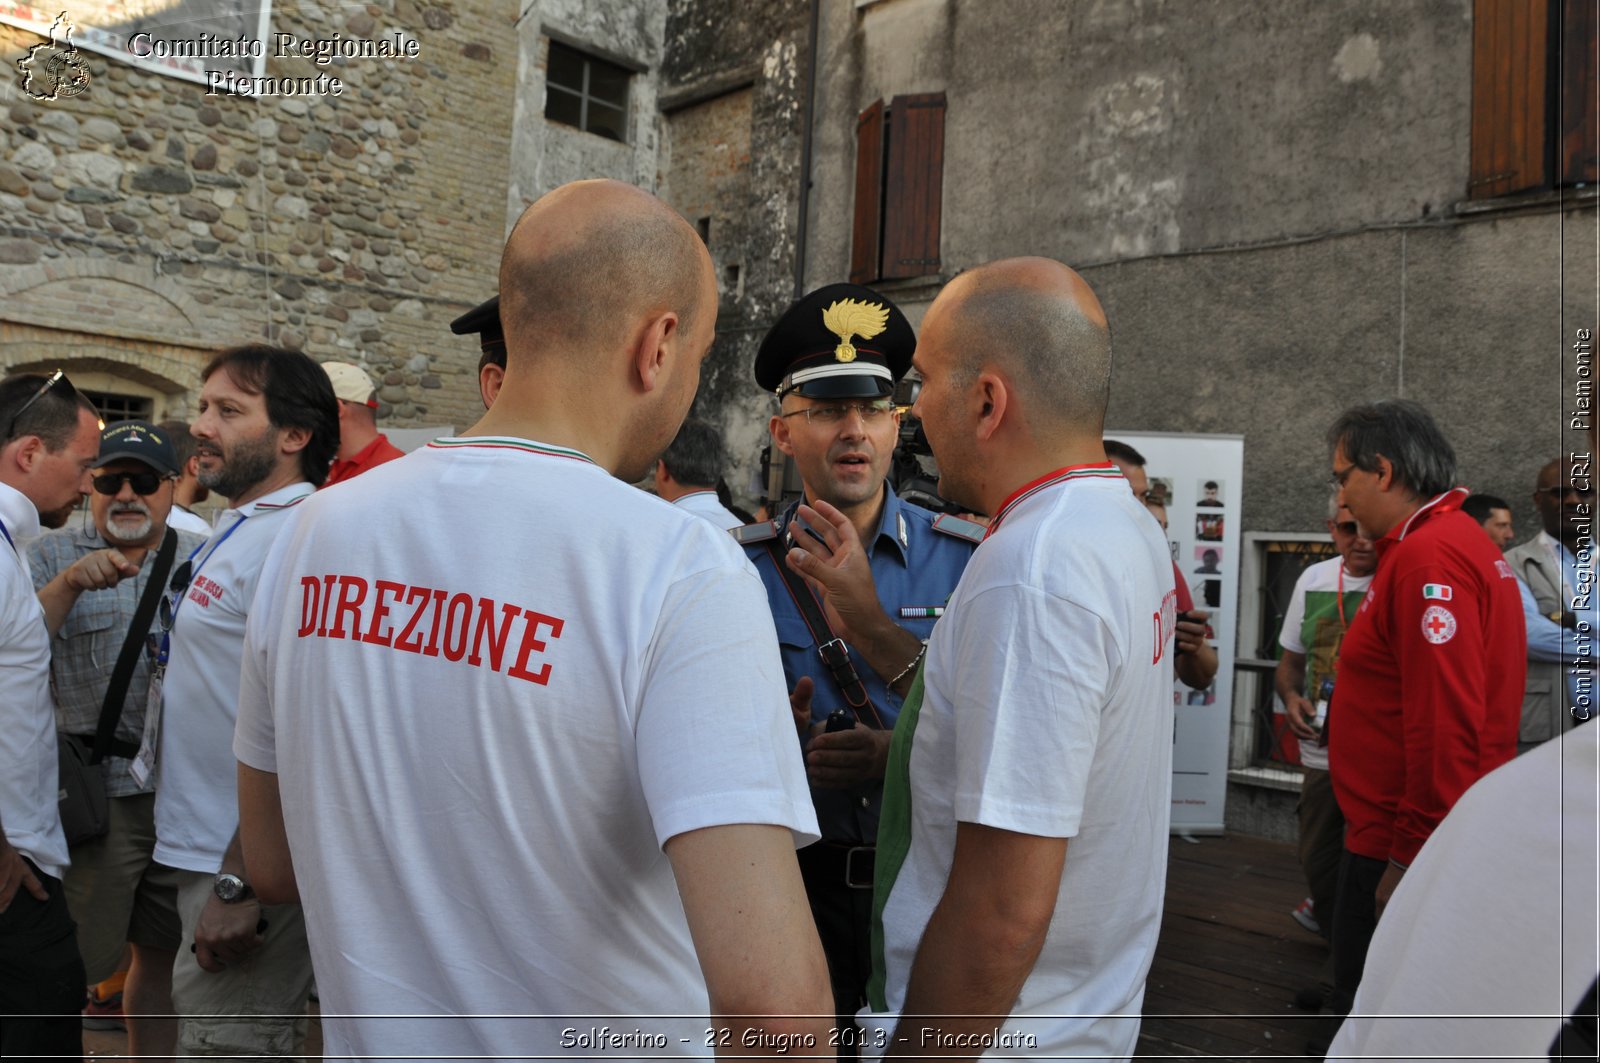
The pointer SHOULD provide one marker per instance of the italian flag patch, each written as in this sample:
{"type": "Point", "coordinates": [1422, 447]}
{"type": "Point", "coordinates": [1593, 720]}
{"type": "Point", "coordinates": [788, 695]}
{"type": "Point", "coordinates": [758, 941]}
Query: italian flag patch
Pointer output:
{"type": "Point", "coordinates": [1439, 592]}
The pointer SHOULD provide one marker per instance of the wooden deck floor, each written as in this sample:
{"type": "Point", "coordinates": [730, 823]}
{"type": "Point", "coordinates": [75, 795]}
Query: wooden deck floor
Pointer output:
{"type": "Point", "coordinates": [1227, 965]}
{"type": "Point", "coordinates": [1230, 958]}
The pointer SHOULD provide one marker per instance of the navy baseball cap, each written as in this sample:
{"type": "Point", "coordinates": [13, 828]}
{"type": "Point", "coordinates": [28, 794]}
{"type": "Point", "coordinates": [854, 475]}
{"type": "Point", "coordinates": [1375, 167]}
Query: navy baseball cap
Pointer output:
{"type": "Point", "coordinates": [139, 441]}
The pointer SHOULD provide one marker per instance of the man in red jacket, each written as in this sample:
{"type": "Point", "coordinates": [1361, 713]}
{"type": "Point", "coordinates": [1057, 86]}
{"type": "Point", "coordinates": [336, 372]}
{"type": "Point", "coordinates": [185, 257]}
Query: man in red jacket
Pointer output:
{"type": "Point", "coordinates": [1429, 688]}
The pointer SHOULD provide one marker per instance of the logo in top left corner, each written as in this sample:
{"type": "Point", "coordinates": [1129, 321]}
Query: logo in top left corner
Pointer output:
{"type": "Point", "coordinates": [54, 70]}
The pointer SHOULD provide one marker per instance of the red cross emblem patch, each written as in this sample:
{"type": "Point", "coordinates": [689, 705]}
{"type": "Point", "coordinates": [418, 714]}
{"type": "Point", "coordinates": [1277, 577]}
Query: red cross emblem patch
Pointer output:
{"type": "Point", "coordinates": [1438, 625]}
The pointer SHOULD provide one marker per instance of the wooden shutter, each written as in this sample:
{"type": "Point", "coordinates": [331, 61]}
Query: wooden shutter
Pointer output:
{"type": "Point", "coordinates": [914, 186]}
{"type": "Point", "coordinates": [866, 238]}
{"type": "Point", "coordinates": [1510, 72]}
{"type": "Point", "coordinates": [1580, 93]}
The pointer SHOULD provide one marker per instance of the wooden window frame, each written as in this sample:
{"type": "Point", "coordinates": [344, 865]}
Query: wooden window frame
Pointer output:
{"type": "Point", "coordinates": [1535, 102]}
{"type": "Point", "coordinates": [899, 189]}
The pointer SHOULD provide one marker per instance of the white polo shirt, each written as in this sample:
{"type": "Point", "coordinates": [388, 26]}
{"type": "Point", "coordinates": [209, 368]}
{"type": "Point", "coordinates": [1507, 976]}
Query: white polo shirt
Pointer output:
{"type": "Point", "coordinates": [494, 681]}
{"type": "Point", "coordinates": [1046, 709]}
{"type": "Point", "coordinates": [705, 504]}
{"type": "Point", "coordinates": [197, 808]}
{"type": "Point", "coordinates": [29, 793]}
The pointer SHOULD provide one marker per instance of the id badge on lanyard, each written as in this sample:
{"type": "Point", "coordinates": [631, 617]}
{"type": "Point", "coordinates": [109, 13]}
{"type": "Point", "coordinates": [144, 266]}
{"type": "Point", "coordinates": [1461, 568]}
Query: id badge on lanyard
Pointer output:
{"type": "Point", "coordinates": [143, 767]}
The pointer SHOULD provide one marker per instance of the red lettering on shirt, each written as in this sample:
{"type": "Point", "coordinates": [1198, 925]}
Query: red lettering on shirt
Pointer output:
{"type": "Point", "coordinates": [420, 597]}
{"type": "Point", "coordinates": [380, 612]}
{"type": "Point", "coordinates": [1165, 622]}
{"type": "Point", "coordinates": [310, 601]}
{"type": "Point", "coordinates": [456, 648]}
{"type": "Point", "coordinates": [349, 605]}
{"type": "Point", "coordinates": [457, 622]}
{"type": "Point", "coordinates": [531, 644]}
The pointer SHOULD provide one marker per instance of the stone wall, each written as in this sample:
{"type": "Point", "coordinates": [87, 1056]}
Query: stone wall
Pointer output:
{"type": "Point", "coordinates": [733, 89]}
{"type": "Point", "coordinates": [146, 223]}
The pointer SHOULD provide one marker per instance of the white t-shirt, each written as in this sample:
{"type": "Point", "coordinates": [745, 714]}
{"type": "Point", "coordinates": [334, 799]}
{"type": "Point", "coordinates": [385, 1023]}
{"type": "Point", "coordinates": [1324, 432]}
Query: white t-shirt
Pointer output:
{"type": "Point", "coordinates": [183, 520]}
{"type": "Point", "coordinates": [1494, 923]}
{"type": "Point", "coordinates": [705, 504]}
{"type": "Point", "coordinates": [556, 673]}
{"type": "Point", "coordinates": [1317, 592]}
{"type": "Point", "coordinates": [197, 805]}
{"type": "Point", "coordinates": [29, 784]}
{"type": "Point", "coordinates": [1047, 710]}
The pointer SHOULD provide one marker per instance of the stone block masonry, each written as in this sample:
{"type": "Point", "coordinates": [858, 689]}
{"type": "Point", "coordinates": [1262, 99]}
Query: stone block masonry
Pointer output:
{"type": "Point", "coordinates": [147, 221]}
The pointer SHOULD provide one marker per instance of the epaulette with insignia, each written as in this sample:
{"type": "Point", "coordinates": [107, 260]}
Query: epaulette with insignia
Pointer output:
{"type": "Point", "coordinates": [759, 532]}
{"type": "Point", "coordinates": [970, 530]}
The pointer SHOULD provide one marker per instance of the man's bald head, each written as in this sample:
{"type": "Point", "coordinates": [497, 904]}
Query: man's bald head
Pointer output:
{"type": "Point", "coordinates": [587, 261]}
{"type": "Point", "coordinates": [1040, 322]}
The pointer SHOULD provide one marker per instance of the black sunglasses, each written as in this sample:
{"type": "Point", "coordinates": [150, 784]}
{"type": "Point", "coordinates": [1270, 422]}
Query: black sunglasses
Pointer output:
{"type": "Point", "coordinates": [144, 483]}
{"type": "Point", "coordinates": [168, 607]}
{"type": "Point", "coordinates": [56, 382]}
{"type": "Point", "coordinates": [1347, 527]}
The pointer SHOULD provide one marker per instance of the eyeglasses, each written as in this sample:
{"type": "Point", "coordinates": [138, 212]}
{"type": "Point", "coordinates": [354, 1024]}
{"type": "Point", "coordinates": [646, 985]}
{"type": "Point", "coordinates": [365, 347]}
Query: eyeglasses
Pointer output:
{"type": "Point", "coordinates": [168, 609]}
{"type": "Point", "coordinates": [56, 382]}
{"type": "Point", "coordinates": [834, 413]}
{"type": "Point", "coordinates": [144, 483]}
{"type": "Point", "coordinates": [1346, 527]}
{"type": "Point", "coordinates": [1563, 490]}
{"type": "Point", "coordinates": [1336, 481]}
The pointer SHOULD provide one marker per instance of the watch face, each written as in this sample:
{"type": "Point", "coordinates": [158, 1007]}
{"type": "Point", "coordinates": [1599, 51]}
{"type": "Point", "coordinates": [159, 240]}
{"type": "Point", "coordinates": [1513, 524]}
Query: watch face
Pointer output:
{"type": "Point", "coordinates": [229, 888]}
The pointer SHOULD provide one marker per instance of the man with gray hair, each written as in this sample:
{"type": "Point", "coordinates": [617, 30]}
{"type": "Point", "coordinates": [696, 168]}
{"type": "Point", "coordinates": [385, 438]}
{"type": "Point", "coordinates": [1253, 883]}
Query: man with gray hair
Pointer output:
{"type": "Point", "coordinates": [687, 473]}
{"type": "Point", "coordinates": [1431, 671]}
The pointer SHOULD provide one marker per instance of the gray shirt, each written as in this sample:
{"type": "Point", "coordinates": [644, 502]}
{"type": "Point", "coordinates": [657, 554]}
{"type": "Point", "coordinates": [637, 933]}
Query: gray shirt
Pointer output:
{"type": "Point", "coordinates": [84, 652]}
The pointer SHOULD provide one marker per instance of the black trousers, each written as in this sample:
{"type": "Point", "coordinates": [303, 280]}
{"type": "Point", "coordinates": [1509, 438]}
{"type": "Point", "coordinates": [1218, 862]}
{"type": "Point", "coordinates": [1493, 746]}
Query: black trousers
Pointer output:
{"type": "Point", "coordinates": [1355, 918]}
{"type": "Point", "coordinates": [41, 977]}
{"type": "Point", "coordinates": [844, 922]}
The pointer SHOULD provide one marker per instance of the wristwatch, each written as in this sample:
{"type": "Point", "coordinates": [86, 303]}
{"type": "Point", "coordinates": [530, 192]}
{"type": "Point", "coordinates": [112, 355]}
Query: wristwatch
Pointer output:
{"type": "Point", "coordinates": [231, 889]}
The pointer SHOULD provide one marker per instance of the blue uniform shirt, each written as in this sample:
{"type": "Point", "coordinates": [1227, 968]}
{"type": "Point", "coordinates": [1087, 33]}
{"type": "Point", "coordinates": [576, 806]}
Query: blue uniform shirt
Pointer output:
{"type": "Point", "coordinates": [913, 567]}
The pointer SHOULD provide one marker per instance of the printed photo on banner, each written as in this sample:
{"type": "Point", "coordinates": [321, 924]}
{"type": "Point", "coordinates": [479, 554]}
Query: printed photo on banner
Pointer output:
{"type": "Point", "coordinates": [1210, 558]}
{"type": "Point", "coordinates": [1208, 527]}
{"type": "Point", "coordinates": [1210, 492]}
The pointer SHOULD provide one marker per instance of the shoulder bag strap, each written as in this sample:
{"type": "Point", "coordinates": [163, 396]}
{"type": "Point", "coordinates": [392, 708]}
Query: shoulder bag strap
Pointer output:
{"type": "Point", "coordinates": [105, 742]}
{"type": "Point", "coordinates": [830, 647]}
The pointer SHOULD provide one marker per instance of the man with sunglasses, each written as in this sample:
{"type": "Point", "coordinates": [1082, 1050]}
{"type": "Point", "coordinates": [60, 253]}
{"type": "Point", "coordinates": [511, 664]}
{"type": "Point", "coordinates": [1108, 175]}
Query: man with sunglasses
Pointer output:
{"type": "Point", "coordinates": [90, 581]}
{"type": "Point", "coordinates": [833, 360]}
{"type": "Point", "coordinates": [1557, 571]}
{"type": "Point", "coordinates": [1324, 601]}
{"type": "Point", "coordinates": [49, 437]}
{"type": "Point", "coordinates": [1430, 673]}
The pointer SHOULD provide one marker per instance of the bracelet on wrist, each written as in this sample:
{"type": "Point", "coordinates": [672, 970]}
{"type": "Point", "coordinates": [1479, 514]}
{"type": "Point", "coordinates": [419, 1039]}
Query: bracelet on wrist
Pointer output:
{"type": "Point", "coordinates": [911, 667]}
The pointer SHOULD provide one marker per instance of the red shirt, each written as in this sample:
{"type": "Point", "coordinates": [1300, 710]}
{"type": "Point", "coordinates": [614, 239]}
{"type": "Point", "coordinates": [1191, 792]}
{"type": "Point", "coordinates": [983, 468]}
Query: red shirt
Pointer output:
{"type": "Point", "coordinates": [370, 456]}
{"type": "Point", "coordinates": [1428, 695]}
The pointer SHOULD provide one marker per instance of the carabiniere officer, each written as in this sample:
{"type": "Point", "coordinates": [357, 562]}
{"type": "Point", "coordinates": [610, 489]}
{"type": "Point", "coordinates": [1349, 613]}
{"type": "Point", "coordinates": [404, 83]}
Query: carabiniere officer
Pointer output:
{"type": "Point", "coordinates": [850, 643]}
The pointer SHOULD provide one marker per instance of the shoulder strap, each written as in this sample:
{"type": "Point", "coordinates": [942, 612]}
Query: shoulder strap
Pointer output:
{"type": "Point", "coordinates": [105, 742]}
{"type": "Point", "coordinates": [830, 647]}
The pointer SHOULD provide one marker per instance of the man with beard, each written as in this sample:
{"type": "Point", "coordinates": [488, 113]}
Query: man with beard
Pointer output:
{"type": "Point", "coordinates": [90, 581]}
{"type": "Point", "coordinates": [833, 359]}
{"type": "Point", "coordinates": [267, 430]}
{"type": "Point", "coordinates": [49, 436]}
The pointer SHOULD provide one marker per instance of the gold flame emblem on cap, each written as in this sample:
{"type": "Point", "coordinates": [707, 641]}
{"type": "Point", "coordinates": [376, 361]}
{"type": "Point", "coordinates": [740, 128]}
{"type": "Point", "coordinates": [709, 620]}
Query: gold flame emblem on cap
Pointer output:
{"type": "Point", "coordinates": [848, 318]}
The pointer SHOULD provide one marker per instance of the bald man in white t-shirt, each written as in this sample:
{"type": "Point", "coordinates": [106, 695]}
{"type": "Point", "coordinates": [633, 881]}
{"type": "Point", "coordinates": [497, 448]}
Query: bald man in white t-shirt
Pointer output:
{"type": "Point", "coordinates": [553, 778]}
{"type": "Point", "coordinates": [1022, 850]}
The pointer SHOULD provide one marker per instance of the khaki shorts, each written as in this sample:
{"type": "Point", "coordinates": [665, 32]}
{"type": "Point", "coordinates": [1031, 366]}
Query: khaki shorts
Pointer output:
{"type": "Point", "coordinates": [118, 893]}
{"type": "Point", "coordinates": [253, 1008]}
